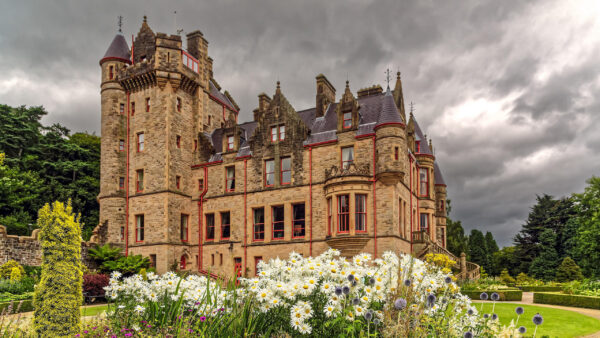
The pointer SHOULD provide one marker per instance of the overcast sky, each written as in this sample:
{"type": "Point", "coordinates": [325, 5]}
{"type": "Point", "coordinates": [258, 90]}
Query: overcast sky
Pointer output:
{"type": "Point", "coordinates": [508, 90]}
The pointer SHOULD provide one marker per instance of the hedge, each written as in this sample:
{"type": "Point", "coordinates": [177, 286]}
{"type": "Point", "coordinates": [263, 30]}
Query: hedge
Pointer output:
{"type": "Point", "coordinates": [566, 300]}
{"type": "Point", "coordinates": [505, 294]}
{"type": "Point", "coordinates": [26, 306]}
{"type": "Point", "coordinates": [540, 288]}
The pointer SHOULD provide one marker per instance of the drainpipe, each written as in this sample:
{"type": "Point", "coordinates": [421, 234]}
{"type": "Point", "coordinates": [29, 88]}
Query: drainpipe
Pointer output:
{"type": "Point", "coordinates": [127, 184]}
{"type": "Point", "coordinates": [310, 197]}
{"type": "Point", "coordinates": [411, 200]}
{"type": "Point", "coordinates": [200, 206]}
{"type": "Point", "coordinates": [245, 217]}
{"type": "Point", "coordinates": [374, 200]}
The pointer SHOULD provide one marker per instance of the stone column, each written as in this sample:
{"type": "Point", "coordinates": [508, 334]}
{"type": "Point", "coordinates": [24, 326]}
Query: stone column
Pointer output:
{"type": "Point", "coordinates": [463, 266]}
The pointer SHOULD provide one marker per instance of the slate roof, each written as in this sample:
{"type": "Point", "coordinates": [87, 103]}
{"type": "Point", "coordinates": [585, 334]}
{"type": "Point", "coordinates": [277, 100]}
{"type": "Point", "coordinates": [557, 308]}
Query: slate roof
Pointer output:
{"type": "Point", "coordinates": [214, 91]}
{"type": "Point", "coordinates": [423, 142]}
{"type": "Point", "coordinates": [118, 49]}
{"type": "Point", "coordinates": [389, 112]}
{"type": "Point", "coordinates": [437, 175]}
{"type": "Point", "coordinates": [216, 139]}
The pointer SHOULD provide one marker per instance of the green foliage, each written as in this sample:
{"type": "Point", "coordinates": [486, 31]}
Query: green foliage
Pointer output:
{"type": "Point", "coordinates": [544, 265]}
{"type": "Point", "coordinates": [586, 287]}
{"type": "Point", "coordinates": [15, 274]}
{"type": "Point", "coordinates": [566, 300]}
{"type": "Point", "coordinates": [59, 293]}
{"type": "Point", "coordinates": [523, 279]}
{"type": "Point", "coordinates": [587, 247]}
{"type": "Point", "coordinates": [477, 249]}
{"type": "Point", "coordinates": [505, 259]}
{"type": "Point", "coordinates": [7, 268]}
{"type": "Point", "coordinates": [8, 297]}
{"type": "Point", "coordinates": [101, 254]}
{"type": "Point", "coordinates": [127, 265]}
{"type": "Point", "coordinates": [568, 270]}
{"type": "Point", "coordinates": [456, 241]}
{"type": "Point", "coordinates": [507, 278]}
{"type": "Point", "coordinates": [17, 306]}
{"type": "Point", "coordinates": [44, 164]}
{"type": "Point", "coordinates": [542, 288]}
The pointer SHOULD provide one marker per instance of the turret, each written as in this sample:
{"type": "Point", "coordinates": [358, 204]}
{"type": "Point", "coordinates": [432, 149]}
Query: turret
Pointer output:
{"type": "Point", "coordinates": [440, 204]}
{"type": "Point", "coordinates": [390, 141]}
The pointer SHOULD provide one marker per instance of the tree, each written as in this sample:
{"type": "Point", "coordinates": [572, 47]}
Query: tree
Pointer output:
{"type": "Point", "coordinates": [544, 265]}
{"type": "Point", "coordinates": [456, 241]}
{"type": "Point", "coordinates": [491, 248]}
{"type": "Point", "coordinates": [587, 243]}
{"type": "Point", "coordinates": [59, 293]}
{"type": "Point", "coordinates": [505, 259]}
{"type": "Point", "coordinates": [478, 250]}
{"type": "Point", "coordinates": [568, 270]}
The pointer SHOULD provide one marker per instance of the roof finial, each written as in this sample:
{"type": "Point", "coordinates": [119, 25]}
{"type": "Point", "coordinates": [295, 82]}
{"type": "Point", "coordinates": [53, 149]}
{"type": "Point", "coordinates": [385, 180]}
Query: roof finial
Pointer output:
{"type": "Point", "coordinates": [387, 77]}
{"type": "Point", "coordinates": [398, 75]}
{"type": "Point", "coordinates": [412, 107]}
{"type": "Point", "coordinates": [120, 22]}
{"type": "Point", "coordinates": [145, 19]}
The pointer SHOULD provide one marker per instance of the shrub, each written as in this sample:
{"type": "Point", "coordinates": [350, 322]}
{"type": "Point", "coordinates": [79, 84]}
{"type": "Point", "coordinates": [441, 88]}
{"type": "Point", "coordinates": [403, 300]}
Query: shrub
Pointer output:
{"type": "Point", "coordinates": [129, 265]}
{"type": "Point", "coordinates": [33, 271]}
{"type": "Point", "coordinates": [505, 294]}
{"type": "Point", "coordinates": [6, 269]}
{"type": "Point", "coordinates": [59, 295]}
{"type": "Point", "coordinates": [8, 297]}
{"type": "Point", "coordinates": [568, 270]}
{"type": "Point", "coordinates": [101, 254]}
{"type": "Point", "coordinates": [587, 287]}
{"type": "Point", "coordinates": [523, 279]}
{"type": "Point", "coordinates": [17, 306]}
{"type": "Point", "coordinates": [543, 288]}
{"type": "Point", "coordinates": [93, 285]}
{"type": "Point", "coordinates": [26, 284]}
{"type": "Point", "coordinates": [506, 278]}
{"type": "Point", "coordinates": [566, 300]}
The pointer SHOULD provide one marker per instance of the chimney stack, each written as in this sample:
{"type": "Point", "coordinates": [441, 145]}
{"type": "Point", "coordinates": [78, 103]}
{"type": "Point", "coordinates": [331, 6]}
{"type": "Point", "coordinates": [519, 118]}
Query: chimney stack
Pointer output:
{"type": "Point", "coordinates": [325, 95]}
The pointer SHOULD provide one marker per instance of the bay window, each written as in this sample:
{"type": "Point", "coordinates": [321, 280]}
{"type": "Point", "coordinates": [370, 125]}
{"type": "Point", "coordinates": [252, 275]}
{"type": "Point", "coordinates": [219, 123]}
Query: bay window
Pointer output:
{"type": "Point", "coordinates": [343, 213]}
{"type": "Point", "coordinates": [360, 216]}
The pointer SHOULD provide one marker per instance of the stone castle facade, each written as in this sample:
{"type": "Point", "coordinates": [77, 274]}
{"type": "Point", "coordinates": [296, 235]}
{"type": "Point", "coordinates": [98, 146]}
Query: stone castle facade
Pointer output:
{"type": "Point", "coordinates": [184, 183]}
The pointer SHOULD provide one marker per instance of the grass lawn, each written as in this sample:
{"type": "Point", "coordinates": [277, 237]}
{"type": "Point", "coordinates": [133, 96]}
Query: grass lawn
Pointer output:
{"type": "Point", "coordinates": [557, 323]}
{"type": "Point", "coordinates": [93, 310]}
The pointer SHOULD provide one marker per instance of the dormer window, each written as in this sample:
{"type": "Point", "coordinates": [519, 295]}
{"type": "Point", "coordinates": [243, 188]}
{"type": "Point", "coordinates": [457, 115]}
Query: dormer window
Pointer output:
{"type": "Point", "coordinates": [230, 142]}
{"type": "Point", "coordinates": [278, 133]}
{"type": "Point", "coordinates": [417, 146]}
{"type": "Point", "coordinates": [347, 120]}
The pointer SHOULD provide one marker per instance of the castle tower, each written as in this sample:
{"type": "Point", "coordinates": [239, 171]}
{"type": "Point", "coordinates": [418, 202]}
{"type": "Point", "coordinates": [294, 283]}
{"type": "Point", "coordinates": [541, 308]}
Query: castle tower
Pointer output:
{"type": "Point", "coordinates": [390, 142]}
{"type": "Point", "coordinates": [113, 143]}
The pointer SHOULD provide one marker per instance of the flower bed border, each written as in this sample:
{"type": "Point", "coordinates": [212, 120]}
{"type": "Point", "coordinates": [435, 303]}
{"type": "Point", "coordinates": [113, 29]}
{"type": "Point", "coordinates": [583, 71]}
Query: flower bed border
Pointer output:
{"type": "Point", "coordinates": [555, 298]}
{"type": "Point", "coordinates": [506, 295]}
{"type": "Point", "coordinates": [533, 288]}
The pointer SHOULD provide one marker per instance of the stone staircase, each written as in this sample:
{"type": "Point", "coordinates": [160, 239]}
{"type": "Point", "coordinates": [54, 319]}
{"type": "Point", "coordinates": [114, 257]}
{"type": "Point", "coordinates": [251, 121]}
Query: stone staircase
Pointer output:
{"type": "Point", "coordinates": [423, 245]}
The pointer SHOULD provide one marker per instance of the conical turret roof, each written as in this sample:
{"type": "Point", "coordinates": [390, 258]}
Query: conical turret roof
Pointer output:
{"type": "Point", "coordinates": [118, 50]}
{"type": "Point", "coordinates": [389, 112]}
{"type": "Point", "coordinates": [437, 174]}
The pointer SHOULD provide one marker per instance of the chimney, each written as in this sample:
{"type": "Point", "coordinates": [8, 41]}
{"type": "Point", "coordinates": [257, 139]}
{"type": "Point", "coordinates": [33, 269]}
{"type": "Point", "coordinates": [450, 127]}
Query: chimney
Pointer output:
{"type": "Point", "coordinates": [210, 67]}
{"type": "Point", "coordinates": [194, 44]}
{"type": "Point", "coordinates": [263, 102]}
{"type": "Point", "coordinates": [325, 95]}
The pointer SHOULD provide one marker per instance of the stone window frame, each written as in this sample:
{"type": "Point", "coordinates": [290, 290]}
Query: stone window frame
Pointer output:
{"type": "Point", "coordinates": [138, 180]}
{"type": "Point", "coordinates": [122, 108]}
{"type": "Point", "coordinates": [344, 120]}
{"type": "Point", "coordinates": [427, 223]}
{"type": "Point", "coordinates": [282, 222]}
{"type": "Point", "coordinates": [396, 153]}
{"type": "Point", "coordinates": [178, 182]}
{"type": "Point", "coordinates": [139, 230]}
{"type": "Point", "coordinates": [182, 263]}
{"type": "Point", "coordinates": [110, 72]}
{"type": "Point", "coordinates": [178, 141]}
{"type": "Point", "coordinates": [147, 104]}
{"type": "Point", "coordinates": [121, 183]}
{"type": "Point", "coordinates": [265, 173]}
{"type": "Point", "coordinates": [277, 133]}
{"type": "Point", "coordinates": [402, 217]}
{"type": "Point", "coordinates": [329, 215]}
{"type": "Point", "coordinates": [254, 224]}
{"type": "Point", "coordinates": [230, 142]}
{"type": "Point", "coordinates": [122, 235]}
{"type": "Point", "coordinates": [222, 238]}
{"type": "Point", "coordinates": [206, 227]}
{"type": "Point", "coordinates": [200, 184]}
{"type": "Point", "coordinates": [179, 104]}
{"type": "Point", "coordinates": [257, 259]}
{"type": "Point", "coordinates": [349, 162]}
{"type": "Point", "coordinates": [132, 108]}
{"type": "Point", "coordinates": [294, 220]}
{"type": "Point", "coordinates": [185, 238]}
{"type": "Point", "coordinates": [358, 213]}
{"type": "Point", "coordinates": [423, 183]}
{"type": "Point", "coordinates": [121, 145]}
{"type": "Point", "coordinates": [229, 179]}
{"type": "Point", "coordinates": [340, 214]}
{"type": "Point", "coordinates": [141, 146]}
{"type": "Point", "coordinates": [281, 171]}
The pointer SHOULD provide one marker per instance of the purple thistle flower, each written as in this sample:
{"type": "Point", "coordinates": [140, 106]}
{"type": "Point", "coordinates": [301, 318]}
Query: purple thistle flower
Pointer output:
{"type": "Point", "coordinates": [495, 296]}
{"type": "Point", "coordinates": [494, 316]}
{"type": "Point", "coordinates": [369, 315]}
{"type": "Point", "coordinates": [355, 301]}
{"type": "Point", "coordinates": [470, 312]}
{"type": "Point", "coordinates": [338, 291]}
{"type": "Point", "coordinates": [486, 316]}
{"type": "Point", "coordinates": [400, 304]}
{"type": "Point", "coordinates": [448, 280]}
{"type": "Point", "coordinates": [350, 278]}
{"type": "Point", "coordinates": [431, 299]}
{"type": "Point", "coordinates": [522, 329]}
{"type": "Point", "coordinates": [483, 296]}
{"type": "Point", "coordinates": [468, 334]}
{"type": "Point", "coordinates": [346, 289]}
{"type": "Point", "coordinates": [407, 282]}
{"type": "Point", "coordinates": [519, 310]}
{"type": "Point", "coordinates": [538, 319]}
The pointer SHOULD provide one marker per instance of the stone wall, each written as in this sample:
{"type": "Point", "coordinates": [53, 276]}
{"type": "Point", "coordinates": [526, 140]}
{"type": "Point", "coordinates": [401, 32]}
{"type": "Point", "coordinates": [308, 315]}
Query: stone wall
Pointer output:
{"type": "Point", "coordinates": [26, 250]}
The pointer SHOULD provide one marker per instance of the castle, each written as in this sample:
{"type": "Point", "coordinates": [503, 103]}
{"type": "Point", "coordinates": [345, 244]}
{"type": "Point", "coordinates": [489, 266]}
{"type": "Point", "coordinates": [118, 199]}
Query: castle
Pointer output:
{"type": "Point", "coordinates": [184, 183]}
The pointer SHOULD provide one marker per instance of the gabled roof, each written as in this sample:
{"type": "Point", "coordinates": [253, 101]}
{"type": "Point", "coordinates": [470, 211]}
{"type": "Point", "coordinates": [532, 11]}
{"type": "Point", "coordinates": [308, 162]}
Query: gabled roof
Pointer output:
{"type": "Point", "coordinates": [422, 140]}
{"type": "Point", "coordinates": [437, 175]}
{"type": "Point", "coordinates": [389, 112]}
{"type": "Point", "coordinates": [118, 50]}
{"type": "Point", "coordinates": [216, 93]}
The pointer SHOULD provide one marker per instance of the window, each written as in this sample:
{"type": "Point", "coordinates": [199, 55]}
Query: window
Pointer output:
{"type": "Point", "coordinates": [230, 142]}
{"type": "Point", "coordinates": [201, 184]}
{"type": "Point", "coordinates": [269, 173]}
{"type": "Point", "coordinates": [347, 157]}
{"type": "Point", "coordinates": [122, 233]}
{"type": "Point", "coordinates": [441, 205]}
{"type": "Point", "coordinates": [139, 183]}
{"type": "Point", "coordinates": [259, 224]}
{"type": "Point", "coordinates": [182, 263]}
{"type": "Point", "coordinates": [424, 184]}
{"type": "Point", "coordinates": [220, 259]}
{"type": "Point", "coordinates": [417, 146]}
{"type": "Point", "coordinates": [212, 259]}
{"type": "Point", "coordinates": [396, 153]}
{"type": "Point", "coordinates": [147, 104]}
{"type": "Point", "coordinates": [281, 132]}
{"type": "Point", "coordinates": [178, 141]}
{"type": "Point", "coordinates": [237, 268]}
{"type": "Point", "coordinates": [424, 222]}
{"type": "Point", "coordinates": [230, 179]}
{"type": "Point", "coordinates": [121, 183]}
{"type": "Point", "coordinates": [153, 261]}
{"type": "Point", "coordinates": [286, 170]}
{"type": "Point", "coordinates": [195, 145]}
{"type": "Point", "coordinates": [257, 259]}
{"type": "Point", "coordinates": [122, 108]}
{"type": "Point", "coordinates": [273, 134]}
{"type": "Point", "coordinates": [121, 145]}
{"type": "Point", "coordinates": [225, 225]}
{"type": "Point", "coordinates": [347, 120]}
{"type": "Point", "coordinates": [329, 209]}
{"type": "Point", "coordinates": [183, 228]}
{"type": "Point", "coordinates": [140, 142]}
{"type": "Point", "coordinates": [343, 213]}
{"type": "Point", "coordinates": [210, 227]}
{"type": "Point", "coordinates": [178, 105]}
{"type": "Point", "coordinates": [298, 225]}
{"type": "Point", "coordinates": [277, 215]}
{"type": "Point", "coordinates": [132, 108]}
{"type": "Point", "coordinates": [209, 118]}
{"type": "Point", "coordinates": [360, 217]}
{"type": "Point", "coordinates": [110, 72]}
{"type": "Point", "coordinates": [178, 182]}
{"type": "Point", "coordinates": [139, 228]}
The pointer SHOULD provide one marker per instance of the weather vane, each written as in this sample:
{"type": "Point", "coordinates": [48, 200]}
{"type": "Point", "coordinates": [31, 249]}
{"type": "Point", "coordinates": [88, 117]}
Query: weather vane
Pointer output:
{"type": "Point", "coordinates": [120, 23]}
{"type": "Point", "coordinates": [387, 77]}
{"type": "Point", "coordinates": [412, 107]}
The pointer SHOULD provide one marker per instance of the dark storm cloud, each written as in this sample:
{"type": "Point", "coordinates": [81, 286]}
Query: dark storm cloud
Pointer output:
{"type": "Point", "coordinates": [506, 89]}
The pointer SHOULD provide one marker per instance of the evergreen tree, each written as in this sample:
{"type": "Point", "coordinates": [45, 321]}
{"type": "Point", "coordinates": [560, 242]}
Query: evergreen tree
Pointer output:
{"type": "Point", "coordinates": [505, 259]}
{"type": "Point", "coordinates": [59, 293]}
{"type": "Point", "coordinates": [456, 241]}
{"type": "Point", "coordinates": [568, 270]}
{"type": "Point", "coordinates": [491, 247]}
{"type": "Point", "coordinates": [478, 250]}
{"type": "Point", "coordinates": [587, 243]}
{"type": "Point", "coordinates": [544, 265]}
